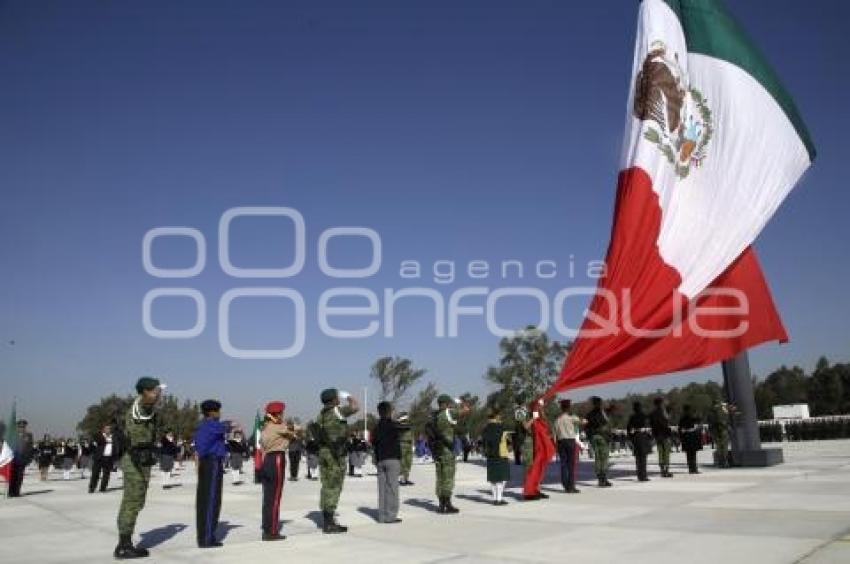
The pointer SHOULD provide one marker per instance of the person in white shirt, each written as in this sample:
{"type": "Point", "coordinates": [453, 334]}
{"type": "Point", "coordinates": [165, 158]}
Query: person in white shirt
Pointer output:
{"type": "Point", "coordinates": [566, 435]}
{"type": "Point", "coordinates": [103, 458]}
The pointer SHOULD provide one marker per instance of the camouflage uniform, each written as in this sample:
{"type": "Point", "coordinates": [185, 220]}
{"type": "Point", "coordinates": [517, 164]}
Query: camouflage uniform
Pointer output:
{"type": "Point", "coordinates": [332, 435]}
{"type": "Point", "coordinates": [140, 435]}
{"type": "Point", "coordinates": [406, 441]}
{"type": "Point", "coordinates": [445, 459]}
{"type": "Point", "coordinates": [718, 423]}
{"type": "Point", "coordinates": [660, 423]}
{"type": "Point", "coordinates": [599, 432]}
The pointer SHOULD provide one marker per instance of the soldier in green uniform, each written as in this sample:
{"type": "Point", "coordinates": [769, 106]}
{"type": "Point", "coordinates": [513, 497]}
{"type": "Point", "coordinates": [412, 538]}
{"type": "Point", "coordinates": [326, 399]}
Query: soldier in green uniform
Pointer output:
{"type": "Point", "coordinates": [406, 441]}
{"type": "Point", "coordinates": [599, 434]}
{"type": "Point", "coordinates": [139, 436]}
{"type": "Point", "coordinates": [659, 421]}
{"type": "Point", "coordinates": [444, 425]}
{"type": "Point", "coordinates": [332, 435]}
{"type": "Point", "coordinates": [718, 424]}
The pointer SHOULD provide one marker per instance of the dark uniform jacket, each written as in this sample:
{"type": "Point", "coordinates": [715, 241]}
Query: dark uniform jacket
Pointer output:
{"type": "Point", "coordinates": [387, 440]}
{"type": "Point", "coordinates": [637, 429]}
{"type": "Point", "coordinates": [598, 424]}
{"type": "Point", "coordinates": [660, 423]}
{"type": "Point", "coordinates": [690, 433]}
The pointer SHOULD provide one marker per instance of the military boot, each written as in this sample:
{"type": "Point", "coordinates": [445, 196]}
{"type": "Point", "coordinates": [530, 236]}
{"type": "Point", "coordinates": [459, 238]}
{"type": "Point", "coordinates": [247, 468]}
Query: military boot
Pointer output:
{"type": "Point", "coordinates": [329, 525]}
{"type": "Point", "coordinates": [449, 507]}
{"type": "Point", "coordinates": [125, 549]}
{"type": "Point", "coordinates": [442, 507]}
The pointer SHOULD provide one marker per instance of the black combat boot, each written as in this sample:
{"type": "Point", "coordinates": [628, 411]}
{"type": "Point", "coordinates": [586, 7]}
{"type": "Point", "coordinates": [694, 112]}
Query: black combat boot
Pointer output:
{"type": "Point", "coordinates": [330, 525]}
{"type": "Point", "coordinates": [442, 507]}
{"type": "Point", "coordinates": [449, 507]}
{"type": "Point", "coordinates": [603, 481]}
{"type": "Point", "coordinates": [125, 549]}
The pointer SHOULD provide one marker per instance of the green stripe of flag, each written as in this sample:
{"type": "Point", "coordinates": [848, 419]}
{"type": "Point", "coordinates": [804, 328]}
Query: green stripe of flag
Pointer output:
{"type": "Point", "coordinates": [711, 30]}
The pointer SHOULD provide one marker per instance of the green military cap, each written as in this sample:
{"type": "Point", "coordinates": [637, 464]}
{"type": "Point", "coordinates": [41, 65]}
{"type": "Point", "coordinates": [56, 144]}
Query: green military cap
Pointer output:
{"type": "Point", "coordinates": [445, 398]}
{"type": "Point", "coordinates": [329, 395]}
{"type": "Point", "coordinates": [146, 383]}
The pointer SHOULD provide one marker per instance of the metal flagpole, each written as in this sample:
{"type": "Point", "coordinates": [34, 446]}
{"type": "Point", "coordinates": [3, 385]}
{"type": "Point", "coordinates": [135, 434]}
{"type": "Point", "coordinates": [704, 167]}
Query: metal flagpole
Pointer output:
{"type": "Point", "coordinates": [746, 443]}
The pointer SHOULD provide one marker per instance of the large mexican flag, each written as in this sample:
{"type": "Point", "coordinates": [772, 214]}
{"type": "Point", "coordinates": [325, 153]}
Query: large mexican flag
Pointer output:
{"type": "Point", "coordinates": [713, 144]}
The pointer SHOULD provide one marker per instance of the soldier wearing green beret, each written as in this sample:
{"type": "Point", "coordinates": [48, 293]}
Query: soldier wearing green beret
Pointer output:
{"type": "Point", "coordinates": [332, 435]}
{"type": "Point", "coordinates": [444, 424]}
{"type": "Point", "coordinates": [140, 433]}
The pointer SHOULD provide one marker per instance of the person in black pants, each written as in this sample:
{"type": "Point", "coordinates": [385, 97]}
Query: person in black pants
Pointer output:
{"type": "Point", "coordinates": [387, 443]}
{"type": "Point", "coordinates": [638, 431]}
{"type": "Point", "coordinates": [274, 440]}
{"type": "Point", "coordinates": [566, 430]}
{"type": "Point", "coordinates": [295, 448]}
{"type": "Point", "coordinates": [691, 436]}
{"type": "Point", "coordinates": [209, 457]}
{"type": "Point", "coordinates": [103, 458]}
{"type": "Point", "coordinates": [23, 456]}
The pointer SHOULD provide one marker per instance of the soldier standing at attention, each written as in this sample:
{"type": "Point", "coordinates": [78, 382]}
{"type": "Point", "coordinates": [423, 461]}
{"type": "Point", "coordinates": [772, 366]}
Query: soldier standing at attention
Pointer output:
{"type": "Point", "coordinates": [718, 423]}
{"type": "Point", "coordinates": [638, 431]}
{"type": "Point", "coordinates": [406, 441]}
{"type": "Point", "coordinates": [659, 420]}
{"type": "Point", "coordinates": [566, 433]}
{"type": "Point", "coordinates": [445, 423]}
{"type": "Point", "coordinates": [140, 432]}
{"type": "Point", "coordinates": [599, 433]}
{"type": "Point", "coordinates": [210, 451]}
{"type": "Point", "coordinates": [332, 429]}
{"type": "Point", "coordinates": [275, 438]}
{"type": "Point", "coordinates": [691, 437]}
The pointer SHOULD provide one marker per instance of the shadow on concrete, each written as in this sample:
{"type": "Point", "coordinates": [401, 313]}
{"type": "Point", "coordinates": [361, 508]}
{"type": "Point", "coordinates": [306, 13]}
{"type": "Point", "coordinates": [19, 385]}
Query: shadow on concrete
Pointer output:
{"type": "Point", "coordinates": [476, 498]}
{"type": "Point", "coordinates": [316, 517]}
{"type": "Point", "coordinates": [36, 492]}
{"type": "Point", "coordinates": [369, 512]}
{"type": "Point", "coordinates": [224, 527]}
{"type": "Point", "coordinates": [422, 504]}
{"type": "Point", "coordinates": [157, 536]}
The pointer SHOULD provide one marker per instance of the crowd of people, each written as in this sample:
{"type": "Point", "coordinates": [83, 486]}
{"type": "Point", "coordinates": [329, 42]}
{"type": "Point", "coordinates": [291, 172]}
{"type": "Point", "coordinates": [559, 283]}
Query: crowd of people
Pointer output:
{"type": "Point", "coordinates": [137, 444]}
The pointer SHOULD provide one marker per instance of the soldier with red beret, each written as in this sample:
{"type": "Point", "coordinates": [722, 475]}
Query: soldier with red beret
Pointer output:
{"type": "Point", "coordinates": [274, 440]}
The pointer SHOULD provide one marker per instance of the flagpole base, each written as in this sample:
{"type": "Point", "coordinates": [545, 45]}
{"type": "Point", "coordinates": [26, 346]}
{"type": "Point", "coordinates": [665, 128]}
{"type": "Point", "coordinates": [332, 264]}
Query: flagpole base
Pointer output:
{"type": "Point", "coordinates": [757, 458]}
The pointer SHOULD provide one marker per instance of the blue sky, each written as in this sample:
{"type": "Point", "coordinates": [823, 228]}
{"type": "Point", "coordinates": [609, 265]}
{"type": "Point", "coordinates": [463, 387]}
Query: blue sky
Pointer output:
{"type": "Point", "coordinates": [458, 131]}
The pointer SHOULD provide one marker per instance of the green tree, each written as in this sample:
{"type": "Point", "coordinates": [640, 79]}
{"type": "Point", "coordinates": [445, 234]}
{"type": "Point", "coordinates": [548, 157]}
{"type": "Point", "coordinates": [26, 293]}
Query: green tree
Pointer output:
{"type": "Point", "coordinates": [826, 389]}
{"type": "Point", "coordinates": [109, 410]}
{"type": "Point", "coordinates": [396, 376]}
{"type": "Point", "coordinates": [173, 416]}
{"type": "Point", "coordinates": [420, 408]}
{"type": "Point", "coordinates": [529, 363]}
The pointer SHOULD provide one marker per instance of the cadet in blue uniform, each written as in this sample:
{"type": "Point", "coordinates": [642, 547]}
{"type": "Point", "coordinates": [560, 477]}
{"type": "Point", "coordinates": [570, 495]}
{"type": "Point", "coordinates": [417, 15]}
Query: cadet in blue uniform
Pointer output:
{"type": "Point", "coordinates": [209, 459]}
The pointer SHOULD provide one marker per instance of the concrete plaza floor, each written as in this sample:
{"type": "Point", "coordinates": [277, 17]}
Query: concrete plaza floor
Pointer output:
{"type": "Point", "coordinates": [796, 512]}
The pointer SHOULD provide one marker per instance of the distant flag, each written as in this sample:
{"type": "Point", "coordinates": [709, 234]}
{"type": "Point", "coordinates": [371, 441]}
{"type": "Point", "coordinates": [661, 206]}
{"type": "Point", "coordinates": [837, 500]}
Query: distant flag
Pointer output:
{"type": "Point", "coordinates": [9, 448]}
{"type": "Point", "coordinates": [713, 144]}
{"type": "Point", "coordinates": [258, 451]}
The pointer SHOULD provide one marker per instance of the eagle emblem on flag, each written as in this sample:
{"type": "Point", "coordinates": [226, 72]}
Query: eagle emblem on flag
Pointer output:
{"type": "Point", "coordinates": [679, 110]}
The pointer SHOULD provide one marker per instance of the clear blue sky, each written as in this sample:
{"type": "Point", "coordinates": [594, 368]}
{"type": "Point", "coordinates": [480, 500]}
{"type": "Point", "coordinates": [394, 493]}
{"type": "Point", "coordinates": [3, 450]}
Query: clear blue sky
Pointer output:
{"type": "Point", "coordinates": [457, 130]}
